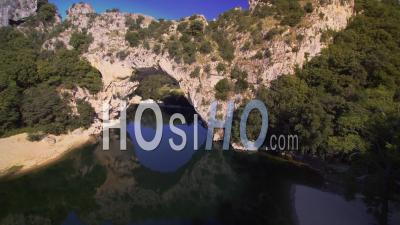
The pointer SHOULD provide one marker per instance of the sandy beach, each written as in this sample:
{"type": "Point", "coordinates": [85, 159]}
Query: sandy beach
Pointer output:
{"type": "Point", "coordinates": [18, 155]}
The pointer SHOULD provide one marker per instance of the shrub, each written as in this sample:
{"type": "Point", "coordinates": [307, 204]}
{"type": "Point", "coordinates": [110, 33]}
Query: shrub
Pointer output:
{"type": "Point", "coordinates": [133, 38]}
{"type": "Point", "coordinates": [195, 72]}
{"type": "Point", "coordinates": [246, 46]}
{"type": "Point", "coordinates": [300, 37]}
{"type": "Point", "coordinates": [290, 11]}
{"type": "Point", "coordinates": [308, 7]}
{"type": "Point", "coordinates": [140, 19]}
{"type": "Point", "coordinates": [113, 10]}
{"type": "Point", "coordinates": [157, 48]}
{"type": "Point", "coordinates": [207, 69]}
{"type": "Point", "coordinates": [258, 55]}
{"type": "Point", "coordinates": [146, 45]}
{"type": "Point", "coordinates": [189, 50]}
{"type": "Point", "coordinates": [46, 12]}
{"type": "Point", "coordinates": [59, 45]}
{"type": "Point", "coordinates": [292, 19]}
{"type": "Point", "coordinates": [263, 11]}
{"type": "Point", "coordinates": [81, 41]}
{"type": "Point", "coordinates": [134, 24]}
{"type": "Point", "coordinates": [182, 26]}
{"type": "Point", "coordinates": [271, 34]}
{"type": "Point", "coordinates": [241, 85]}
{"type": "Point", "coordinates": [222, 89]}
{"type": "Point", "coordinates": [227, 50]}
{"type": "Point", "coordinates": [185, 38]}
{"type": "Point", "coordinates": [221, 68]}
{"type": "Point", "coordinates": [42, 108]}
{"type": "Point", "coordinates": [225, 47]}
{"type": "Point", "coordinates": [196, 28]}
{"type": "Point", "coordinates": [122, 55]}
{"type": "Point", "coordinates": [86, 113]}
{"type": "Point", "coordinates": [237, 73]}
{"type": "Point", "coordinates": [206, 47]}
{"type": "Point", "coordinates": [267, 53]}
{"type": "Point", "coordinates": [35, 137]}
{"type": "Point", "coordinates": [174, 48]}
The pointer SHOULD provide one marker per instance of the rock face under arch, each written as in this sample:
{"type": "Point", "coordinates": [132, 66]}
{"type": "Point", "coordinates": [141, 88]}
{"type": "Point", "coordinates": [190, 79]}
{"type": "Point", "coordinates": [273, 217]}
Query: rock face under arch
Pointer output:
{"type": "Point", "coordinates": [16, 10]}
{"type": "Point", "coordinates": [109, 29]}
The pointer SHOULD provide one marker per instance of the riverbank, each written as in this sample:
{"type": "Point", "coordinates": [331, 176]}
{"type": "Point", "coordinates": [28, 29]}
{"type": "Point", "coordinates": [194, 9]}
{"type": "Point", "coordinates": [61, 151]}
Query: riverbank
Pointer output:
{"type": "Point", "coordinates": [18, 155]}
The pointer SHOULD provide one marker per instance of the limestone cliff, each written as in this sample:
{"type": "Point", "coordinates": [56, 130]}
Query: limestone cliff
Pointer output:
{"type": "Point", "coordinates": [291, 48]}
{"type": "Point", "coordinates": [16, 10]}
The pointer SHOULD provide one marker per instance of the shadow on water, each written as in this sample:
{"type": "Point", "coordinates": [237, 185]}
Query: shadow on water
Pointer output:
{"type": "Point", "coordinates": [46, 197]}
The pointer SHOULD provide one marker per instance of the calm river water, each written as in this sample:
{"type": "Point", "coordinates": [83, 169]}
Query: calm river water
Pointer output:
{"type": "Point", "coordinates": [91, 186]}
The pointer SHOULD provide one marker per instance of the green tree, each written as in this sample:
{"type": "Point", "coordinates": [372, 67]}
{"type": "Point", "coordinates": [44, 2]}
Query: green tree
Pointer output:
{"type": "Point", "coordinates": [81, 41]}
{"type": "Point", "coordinates": [29, 79]}
{"type": "Point", "coordinates": [43, 109]}
{"type": "Point", "coordinates": [222, 89]}
{"type": "Point", "coordinates": [46, 12]}
{"type": "Point", "coordinates": [196, 28]}
{"type": "Point", "coordinates": [195, 72]}
{"type": "Point", "coordinates": [86, 113]}
{"type": "Point", "coordinates": [174, 48]}
{"type": "Point", "coordinates": [206, 47]}
{"type": "Point", "coordinates": [221, 68]}
{"type": "Point", "coordinates": [241, 85]}
{"type": "Point", "coordinates": [308, 7]}
{"type": "Point", "coordinates": [237, 73]}
{"type": "Point", "coordinates": [9, 108]}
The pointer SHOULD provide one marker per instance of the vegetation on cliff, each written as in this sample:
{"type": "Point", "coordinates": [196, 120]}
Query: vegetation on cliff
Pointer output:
{"type": "Point", "coordinates": [30, 78]}
{"type": "Point", "coordinates": [45, 14]}
{"type": "Point", "coordinates": [81, 41]}
{"type": "Point", "coordinates": [157, 87]}
{"type": "Point", "coordinates": [333, 100]}
{"type": "Point", "coordinates": [346, 101]}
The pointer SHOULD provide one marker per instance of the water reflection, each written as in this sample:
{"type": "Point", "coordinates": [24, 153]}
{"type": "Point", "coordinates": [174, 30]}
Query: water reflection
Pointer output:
{"type": "Point", "coordinates": [315, 207]}
{"type": "Point", "coordinates": [95, 187]}
{"type": "Point", "coordinates": [164, 158]}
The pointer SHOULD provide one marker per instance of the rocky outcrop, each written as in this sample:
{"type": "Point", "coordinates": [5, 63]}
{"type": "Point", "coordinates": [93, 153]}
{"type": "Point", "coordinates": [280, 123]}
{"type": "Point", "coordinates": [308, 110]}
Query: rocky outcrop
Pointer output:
{"type": "Point", "coordinates": [286, 56]}
{"type": "Point", "coordinates": [114, 95]}
{"type": "Point", "coordinates": [79, 9]}
{"type": "Point", "coordinates": [16, 10]}
{"type": "Point", "coordinates": [254, 3]}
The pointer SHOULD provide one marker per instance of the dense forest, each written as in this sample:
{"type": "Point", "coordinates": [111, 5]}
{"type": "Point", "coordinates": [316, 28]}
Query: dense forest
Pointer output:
{"type": "Point", "coordinates": [31, 77]}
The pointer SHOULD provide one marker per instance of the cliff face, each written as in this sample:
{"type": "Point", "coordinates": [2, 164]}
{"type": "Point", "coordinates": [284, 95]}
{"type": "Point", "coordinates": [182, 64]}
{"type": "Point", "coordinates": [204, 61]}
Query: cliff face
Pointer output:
{"type": "Point", "coordinates": [254, 3]}
{"type": "Point", "coordinates": [286, 51]}
{"type": "Point", "coordinates": [16, 10]}
{"type": "Point", "coordinates": [284, 57]}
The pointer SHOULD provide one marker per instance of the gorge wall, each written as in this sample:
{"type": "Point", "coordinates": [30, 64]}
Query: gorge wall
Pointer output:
{"type": "Point", "coordinates": [16, 10]}
{"type": "Point", "coordinates": [286, 51]}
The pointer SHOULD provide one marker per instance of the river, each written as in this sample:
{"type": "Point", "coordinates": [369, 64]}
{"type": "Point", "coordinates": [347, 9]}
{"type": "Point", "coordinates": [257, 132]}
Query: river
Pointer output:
{"type": "Point", "coordinates": [92, 186]}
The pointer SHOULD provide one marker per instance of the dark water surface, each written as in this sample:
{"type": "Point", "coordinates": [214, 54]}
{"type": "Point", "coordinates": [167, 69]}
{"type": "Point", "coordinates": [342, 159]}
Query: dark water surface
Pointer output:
{"type": "Point", "coordinates": [91, 186]}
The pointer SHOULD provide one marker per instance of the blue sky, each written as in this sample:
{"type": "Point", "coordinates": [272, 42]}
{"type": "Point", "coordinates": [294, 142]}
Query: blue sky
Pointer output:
{"type": "Point", "coordinates": [167, 9]}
